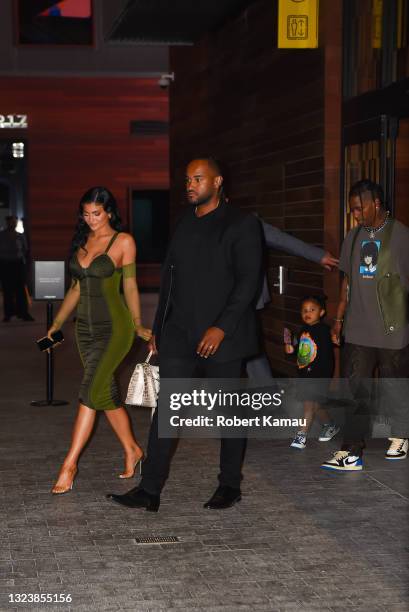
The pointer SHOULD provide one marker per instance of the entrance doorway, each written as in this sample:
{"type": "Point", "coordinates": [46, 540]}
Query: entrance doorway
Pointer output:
{"type": "Point", "coordinates": [370, 152]}
{"type": "Point", "coordinates": [378, 149]}
{"type": "Point", "coordinates": [150, 224]}
{"type": "Point", "coordinates": [13, 180]}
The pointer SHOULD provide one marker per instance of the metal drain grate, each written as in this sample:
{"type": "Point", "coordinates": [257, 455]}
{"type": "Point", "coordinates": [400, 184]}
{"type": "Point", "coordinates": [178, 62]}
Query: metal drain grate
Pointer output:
{"type": "Point", "coordinates": [157, 540]}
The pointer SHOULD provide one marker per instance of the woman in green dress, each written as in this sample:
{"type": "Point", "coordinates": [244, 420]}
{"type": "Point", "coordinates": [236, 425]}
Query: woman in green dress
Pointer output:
{"type": "Point", "coordinates": [101, 256]}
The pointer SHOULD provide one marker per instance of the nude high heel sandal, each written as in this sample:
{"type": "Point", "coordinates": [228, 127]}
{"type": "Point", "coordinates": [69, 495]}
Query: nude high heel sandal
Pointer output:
{"type": "Point", "coordinates": [61, 491]}
{"type": "Point", "coordinates": [137, 463]}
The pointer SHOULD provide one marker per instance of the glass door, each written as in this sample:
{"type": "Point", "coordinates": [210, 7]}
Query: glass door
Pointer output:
{"type": "Point", "coordinates": [369, 152]}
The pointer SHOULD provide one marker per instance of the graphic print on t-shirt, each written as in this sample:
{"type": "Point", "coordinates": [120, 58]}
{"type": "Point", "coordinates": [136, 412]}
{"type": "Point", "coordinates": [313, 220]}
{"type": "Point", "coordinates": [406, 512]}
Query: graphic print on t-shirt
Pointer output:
{"type": "Point", "coordinates": [307, 350]}
{"type": "Point", "coordinates": [369, 258]}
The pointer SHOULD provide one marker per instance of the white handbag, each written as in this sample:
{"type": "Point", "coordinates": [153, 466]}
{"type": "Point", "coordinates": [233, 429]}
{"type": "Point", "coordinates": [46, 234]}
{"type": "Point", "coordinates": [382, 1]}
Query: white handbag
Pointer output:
{"type": "Point", "coordinates": [143, 387]}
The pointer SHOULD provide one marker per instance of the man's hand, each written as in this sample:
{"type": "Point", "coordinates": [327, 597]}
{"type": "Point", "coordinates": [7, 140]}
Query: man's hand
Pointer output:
{"type": "Point", "coordinates": [208, 345]}
{"type": "Point", "coordinates": [336, 332]}
{"type": "Point", "coordinates": [329, 261]}
{"type": "Point", "coordinates": [152, 345]}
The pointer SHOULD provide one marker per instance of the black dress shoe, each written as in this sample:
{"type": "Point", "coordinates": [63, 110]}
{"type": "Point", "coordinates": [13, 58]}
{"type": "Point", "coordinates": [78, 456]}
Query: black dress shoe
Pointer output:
{"type": "Point", "coordinates": [223, 497]}
{"type": "Point", "coordinates": [137, 498]}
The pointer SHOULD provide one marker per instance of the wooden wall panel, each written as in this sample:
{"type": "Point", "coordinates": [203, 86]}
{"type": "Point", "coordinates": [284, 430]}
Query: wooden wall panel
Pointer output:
{"type": "Point", "coordinates": [79, 137]}
{"type": "Point", "coordinates": [262, 111]}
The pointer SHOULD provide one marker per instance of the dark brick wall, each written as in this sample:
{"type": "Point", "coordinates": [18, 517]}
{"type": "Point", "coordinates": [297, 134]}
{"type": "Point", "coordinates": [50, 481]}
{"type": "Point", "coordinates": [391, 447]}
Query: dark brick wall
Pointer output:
{"type": "Point", "coordinates": [261, 110]}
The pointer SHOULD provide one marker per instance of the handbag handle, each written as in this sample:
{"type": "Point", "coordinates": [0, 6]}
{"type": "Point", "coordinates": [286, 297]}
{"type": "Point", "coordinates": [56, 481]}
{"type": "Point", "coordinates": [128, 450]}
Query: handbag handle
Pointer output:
{"type": "Point", "coordinates": [147, 360]}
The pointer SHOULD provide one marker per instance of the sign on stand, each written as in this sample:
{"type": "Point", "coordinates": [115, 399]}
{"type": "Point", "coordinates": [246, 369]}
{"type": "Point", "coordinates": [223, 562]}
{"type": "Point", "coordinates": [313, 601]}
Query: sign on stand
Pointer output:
{"type": "Point", "coordinates": [49, 280]}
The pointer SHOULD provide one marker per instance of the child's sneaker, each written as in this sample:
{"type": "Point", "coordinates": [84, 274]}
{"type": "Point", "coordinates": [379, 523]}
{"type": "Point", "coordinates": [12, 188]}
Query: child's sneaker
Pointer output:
{"type": "Point", "coordinates": [328, 431]}
{"type": "Point", "coordinates": [343, 461]}
{"type": "Point", "coordinates": [300, 440]}
{"type": "Point", "coordinates": [398, 449]}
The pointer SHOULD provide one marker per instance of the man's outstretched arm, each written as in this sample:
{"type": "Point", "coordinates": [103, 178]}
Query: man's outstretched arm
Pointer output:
{"type": "Point", "coordinates": [277, 239]}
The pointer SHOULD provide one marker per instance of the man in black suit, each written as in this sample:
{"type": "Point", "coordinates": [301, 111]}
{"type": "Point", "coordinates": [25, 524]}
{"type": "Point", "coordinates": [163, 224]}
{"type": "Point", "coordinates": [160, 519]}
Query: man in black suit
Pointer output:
{"type": "Point", "coordinates": [205, 322]}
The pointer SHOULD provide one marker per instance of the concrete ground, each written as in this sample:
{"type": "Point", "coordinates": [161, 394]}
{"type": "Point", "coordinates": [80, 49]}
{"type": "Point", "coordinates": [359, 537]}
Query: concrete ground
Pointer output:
{"type": "Point", "coordinates": [301, 538]}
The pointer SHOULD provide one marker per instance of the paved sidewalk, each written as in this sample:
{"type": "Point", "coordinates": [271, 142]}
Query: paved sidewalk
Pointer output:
{"type": "Point", "coordinates": [301, 539]}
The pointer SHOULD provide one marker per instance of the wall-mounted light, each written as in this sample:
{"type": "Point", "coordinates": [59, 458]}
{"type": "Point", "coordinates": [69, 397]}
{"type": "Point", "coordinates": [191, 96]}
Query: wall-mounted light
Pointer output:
{"type": "Point", "coordinates": [18, 150]}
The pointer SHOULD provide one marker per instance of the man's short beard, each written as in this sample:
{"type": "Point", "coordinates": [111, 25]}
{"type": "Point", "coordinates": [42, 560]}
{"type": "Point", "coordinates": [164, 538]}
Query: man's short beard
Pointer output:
{"type": "Point", "coordinates": [202, 200]}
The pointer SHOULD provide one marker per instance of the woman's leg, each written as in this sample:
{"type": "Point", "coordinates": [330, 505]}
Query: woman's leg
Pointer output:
{"type": "Point", "coordinates": [83, 426]}
{"type": "Point", "coordinates": [120, 423]}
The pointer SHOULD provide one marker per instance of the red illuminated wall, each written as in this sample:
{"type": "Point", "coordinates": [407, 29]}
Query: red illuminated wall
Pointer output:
{"type": "Point", "coordinates": [78, 137]}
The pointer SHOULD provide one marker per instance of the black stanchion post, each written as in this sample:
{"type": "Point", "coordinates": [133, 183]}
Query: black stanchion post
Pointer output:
{"type": "Point", "coordinates": [49, 356]}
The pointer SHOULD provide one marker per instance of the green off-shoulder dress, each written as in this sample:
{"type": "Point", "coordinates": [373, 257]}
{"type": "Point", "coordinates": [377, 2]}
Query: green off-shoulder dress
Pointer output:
{"type": "Point", "coordinates": [104, 328]}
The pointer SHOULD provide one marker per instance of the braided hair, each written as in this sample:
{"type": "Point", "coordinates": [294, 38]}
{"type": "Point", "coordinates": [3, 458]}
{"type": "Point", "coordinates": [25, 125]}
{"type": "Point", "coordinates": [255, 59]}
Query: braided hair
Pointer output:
{"type": "Point", "coordinates": [368, 186]}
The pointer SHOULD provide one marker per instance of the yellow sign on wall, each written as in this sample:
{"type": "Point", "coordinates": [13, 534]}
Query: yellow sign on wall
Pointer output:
{"type": "Point", "coordinates": [297, 24]}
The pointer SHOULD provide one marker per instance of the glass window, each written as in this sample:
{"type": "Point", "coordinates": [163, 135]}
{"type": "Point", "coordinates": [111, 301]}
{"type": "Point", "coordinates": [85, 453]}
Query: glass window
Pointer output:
{"type": "Point", "coordinates": [402, 39]}
{"type": "Point", "coordinates": [60, 23]}
{"type": "Point", "coordinates": [363, 46]}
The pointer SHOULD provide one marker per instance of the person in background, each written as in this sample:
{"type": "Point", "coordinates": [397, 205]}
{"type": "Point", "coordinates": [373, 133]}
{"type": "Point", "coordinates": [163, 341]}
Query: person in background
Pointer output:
{"type": "Point", "coordinates": [258, 367]}
{"type": "Point", "coordinates": [372, 315]}
{"type": "Point", "coordinates": [315, 360]}
{"type": "Point", "coordinates": [13, 253]}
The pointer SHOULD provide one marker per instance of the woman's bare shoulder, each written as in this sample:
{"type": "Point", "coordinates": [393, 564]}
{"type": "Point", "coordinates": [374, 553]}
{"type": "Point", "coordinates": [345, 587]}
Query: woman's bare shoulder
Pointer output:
{"type": "Point", "coordinates": [125, 239]}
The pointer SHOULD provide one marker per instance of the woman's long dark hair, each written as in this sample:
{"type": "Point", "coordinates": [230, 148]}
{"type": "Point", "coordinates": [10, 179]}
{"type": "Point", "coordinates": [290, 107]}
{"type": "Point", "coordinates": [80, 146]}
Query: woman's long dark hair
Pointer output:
{"type": "Point", "coordinates": [103, 197]}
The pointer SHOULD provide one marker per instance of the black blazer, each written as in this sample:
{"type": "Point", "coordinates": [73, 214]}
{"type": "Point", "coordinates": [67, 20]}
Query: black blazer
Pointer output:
{"type": "Point", "coordinates": [229, 281]}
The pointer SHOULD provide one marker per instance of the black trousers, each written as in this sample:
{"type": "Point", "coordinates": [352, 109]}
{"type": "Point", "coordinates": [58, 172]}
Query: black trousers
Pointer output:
{"type": "Point", "coordinates": [155, 469]}
{"type": "Point", "coordinates": [358, 364]}
{"type": "Point", "coordinates": [12, 276]}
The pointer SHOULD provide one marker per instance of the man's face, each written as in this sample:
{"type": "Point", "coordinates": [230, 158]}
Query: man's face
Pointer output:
{"type": "Point", "coordinates": [202, 182]}
{"type": "Point", "coordinates": [364, 212]}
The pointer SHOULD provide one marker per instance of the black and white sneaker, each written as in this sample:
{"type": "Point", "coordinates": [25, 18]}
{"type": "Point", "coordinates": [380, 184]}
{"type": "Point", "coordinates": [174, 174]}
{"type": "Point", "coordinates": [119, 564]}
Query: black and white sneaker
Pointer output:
{"type": "Point", "coordinates": [328, 431]}
{"type": "Point", "coordinates": [398, 449]}
{"type": "Point", "coordinates": [300, 440]}
{"type": "Point", "coordinates": [343, 461]}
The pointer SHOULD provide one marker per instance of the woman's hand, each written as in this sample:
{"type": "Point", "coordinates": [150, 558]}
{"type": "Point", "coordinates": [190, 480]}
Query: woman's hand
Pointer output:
{"type": "Point", "coordinates": [52, 330]}
{"type": "Point", "coordinates": [152, 345]}
{"type": "Point", "coordinates": [143, 332]}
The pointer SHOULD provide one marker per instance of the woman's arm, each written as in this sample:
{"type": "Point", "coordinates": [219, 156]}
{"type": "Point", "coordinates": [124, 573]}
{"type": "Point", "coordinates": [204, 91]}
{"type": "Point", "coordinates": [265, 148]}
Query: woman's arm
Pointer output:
{"type": "Point", "coordinates": [130, 285]}
{"type": "Point", "coordinates": [69, 304]}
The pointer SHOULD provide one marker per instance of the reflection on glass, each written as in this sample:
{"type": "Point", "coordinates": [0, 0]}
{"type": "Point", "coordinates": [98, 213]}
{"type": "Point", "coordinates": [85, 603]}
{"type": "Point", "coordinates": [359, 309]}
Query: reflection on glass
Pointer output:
{"type": "Point", "coordinates": [362, 160]}
{"type": "Point", "coordinates": [402, 39]}
{"type": "Point", "coordinates": [365, 46]}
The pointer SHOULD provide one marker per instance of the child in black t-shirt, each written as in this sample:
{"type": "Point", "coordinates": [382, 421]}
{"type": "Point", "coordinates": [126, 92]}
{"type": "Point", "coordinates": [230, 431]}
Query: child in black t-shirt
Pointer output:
{"type": "Point", "coordinates": [315, 359]}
